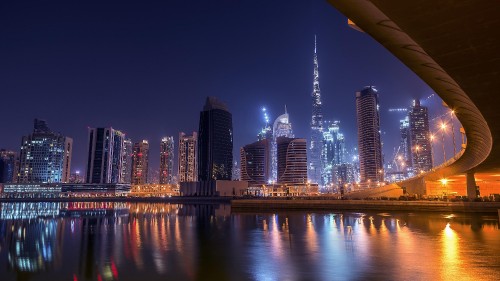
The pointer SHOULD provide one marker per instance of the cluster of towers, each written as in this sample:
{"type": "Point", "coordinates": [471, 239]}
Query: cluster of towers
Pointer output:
{"type": "Point", "coordinates": [112, 158]}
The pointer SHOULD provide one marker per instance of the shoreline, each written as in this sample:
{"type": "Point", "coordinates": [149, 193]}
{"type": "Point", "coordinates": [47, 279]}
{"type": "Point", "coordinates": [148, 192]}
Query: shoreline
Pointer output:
{"type": "Point", "coordinates": [175, 199]}
{"type": "Point", "coordinates": [297, 204]}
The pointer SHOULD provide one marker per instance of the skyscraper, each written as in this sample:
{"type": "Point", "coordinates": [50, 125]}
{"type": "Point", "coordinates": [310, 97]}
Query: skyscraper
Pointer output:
{"type": "Point", "coordinates": [333, 152]}
{"type": "Point", "coordinates": [266, 132]}
{"type": "Point", "coordinates": [215, 142]}
{"type": "Point", "coordinates": [421, 153]}
{"type": "Point", "coordinates": [140, 158]}
{"type": "Point", "coordinates": [255, 159]}
{"type": "Point", "coordinates": [369, 144]}
{"type": "Point", "coordinates": [8, 166]}
{"type": "Point", "coordinates": [188, 162]}
{"type": "Point", "coordinates": [45, 156]}
{"type": "Point", "coordinates": [292, 160]}
{"type": "Point", "coordinates": [315, 145]}
{"type": "Point", "coordinates": [166, 160]}
{"type": "Point", "coordinates": [281, 128]}
{"type": "Point", "coordinates": [404, 155]}
{"type": "Point", "coordinates": [127, 161]}
{"type": "Point", "coordinates": [105, 156]}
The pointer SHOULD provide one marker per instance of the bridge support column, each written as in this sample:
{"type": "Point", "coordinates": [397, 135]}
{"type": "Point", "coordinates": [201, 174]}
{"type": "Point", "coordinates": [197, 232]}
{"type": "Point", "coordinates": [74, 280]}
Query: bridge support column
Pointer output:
{"type": "Point", "coordinates": [471, 186]}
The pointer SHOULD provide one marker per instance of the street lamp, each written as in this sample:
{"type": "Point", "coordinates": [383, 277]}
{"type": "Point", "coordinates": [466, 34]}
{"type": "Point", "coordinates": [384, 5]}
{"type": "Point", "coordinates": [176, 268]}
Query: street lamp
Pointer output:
{"type": "Point", "coordinates": [452, 113]}
{"type": "Point", "coordinates": [443, 129]}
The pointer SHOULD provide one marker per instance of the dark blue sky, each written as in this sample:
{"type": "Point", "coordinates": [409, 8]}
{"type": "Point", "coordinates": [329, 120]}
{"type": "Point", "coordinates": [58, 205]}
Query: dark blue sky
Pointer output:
{"type": "Point", "coordinates": [146, 68]}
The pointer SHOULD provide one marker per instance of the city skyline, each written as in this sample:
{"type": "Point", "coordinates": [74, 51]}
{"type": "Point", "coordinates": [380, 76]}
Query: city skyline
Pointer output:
{"type": "Point", "coordinates": [285, 58]}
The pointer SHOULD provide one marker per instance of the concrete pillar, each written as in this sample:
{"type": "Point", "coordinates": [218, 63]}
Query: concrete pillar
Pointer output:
{"type": "Point", "coordinates": [471, 186]}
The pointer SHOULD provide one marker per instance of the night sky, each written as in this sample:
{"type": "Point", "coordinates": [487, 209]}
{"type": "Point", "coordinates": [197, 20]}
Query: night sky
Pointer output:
{"type": "Point", "coordinates": [146, 68]}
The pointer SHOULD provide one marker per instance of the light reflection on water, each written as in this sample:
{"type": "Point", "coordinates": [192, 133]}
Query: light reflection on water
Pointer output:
{"type": "Point", "coordinates": [134, 241]}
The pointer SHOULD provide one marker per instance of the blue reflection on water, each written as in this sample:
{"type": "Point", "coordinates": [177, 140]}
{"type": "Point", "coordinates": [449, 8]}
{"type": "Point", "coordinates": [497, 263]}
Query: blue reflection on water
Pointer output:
{"type": "Point", "coordinates": [133, 241]}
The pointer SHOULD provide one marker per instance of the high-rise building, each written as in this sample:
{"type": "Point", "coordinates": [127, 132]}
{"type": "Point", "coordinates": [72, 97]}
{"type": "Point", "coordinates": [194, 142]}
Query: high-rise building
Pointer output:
{"type": "Point", "coordinates": [315, 145]}
{"type": "Point", "coordinates": [45, 156]}
{"type": "Point", "coordinates": [255, 159]}
{"type": "Point", "coordinates": [402, 161]}
{"type": "Point", "coordinates": [266, 132]}
{"type": "Point", "coordinates": [344, 174]}
{"type": "Point", "coordinates": [127, 161]}
{"type": "Point", "coordinates": [369, 144]}
{"type": "Point", "coordinates": [105, 156]}
{"type": "Point", "coordinates": [292, 160]}
{"type": "Point", "coordinates": [333, 152]}
{"type": "Point", "coordinates": [188, 157]}
{"type": "Point", "coordinates": [215, 142]}
{"type": "Point", "coordinates": [140, 158]}
{"type": "Point", "coordinates": [166, 160]}
{"type": "Point", "coordinates": [282, 127]}
{"type": "Point", "coordinates": [8, 166]}
{"type": "Point", "coordinates": [421, 153]}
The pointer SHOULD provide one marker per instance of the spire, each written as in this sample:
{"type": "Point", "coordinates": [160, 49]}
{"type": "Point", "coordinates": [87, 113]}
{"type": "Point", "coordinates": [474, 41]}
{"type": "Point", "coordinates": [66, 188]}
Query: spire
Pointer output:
{"type": "Point", "coordinates": [315, 44]}
{"type": "Point", "coordinates": [285, 109]}
{"type": "Point", "coordinates": [316, 143]}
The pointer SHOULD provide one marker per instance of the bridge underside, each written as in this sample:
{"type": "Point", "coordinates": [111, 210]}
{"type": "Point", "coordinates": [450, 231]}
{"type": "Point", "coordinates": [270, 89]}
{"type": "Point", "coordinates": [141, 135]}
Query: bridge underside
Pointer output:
{"type": "Point", "coordinates": [453, 46]}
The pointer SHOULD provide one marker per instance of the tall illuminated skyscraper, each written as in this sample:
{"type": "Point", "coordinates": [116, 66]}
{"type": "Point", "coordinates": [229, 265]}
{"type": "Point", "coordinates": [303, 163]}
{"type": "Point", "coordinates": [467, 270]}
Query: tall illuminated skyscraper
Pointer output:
{"type": "Point", "coordinates": [404, 156]}
{"type": "Point", "coordinates": [127, 161]}
{"type": "Point", "coordinates": [333, 152]}
{"type": "Point", "coordinates": [292, 160]}
{"type": "Point", "coordinates": [215, 142]}
{"type": "Point", "coordinates": [255, 159]}
{"type": "Point", "coordinates": [421, 154]}
{"type": "Point", "coordinates": [266, 132]}
{"type": "Point", "coordinates": [281, 128]}
{"type": "Point", "coordinates": [45, 156]}
{"type": "Point", "coordinates": [315, 145]}
{"type": "Point", "coordinates": [105, 156]}
{"type": "Point", "coordinates": [166, 160]}
{"type": "Point", "coordinates": [140, 162]}
{"type": "Point", "coordinates": [188, 157]}
{"type": "Point", "coordinates": [369, 145]}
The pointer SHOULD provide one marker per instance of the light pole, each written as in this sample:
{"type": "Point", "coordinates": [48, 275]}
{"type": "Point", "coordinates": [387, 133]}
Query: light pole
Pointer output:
{"type": "Point", "coordinates": [443, 128]}
{"type": "Point", "coordinates": [453, 132]}
{"type": "Point", "coordinates": [432, 150]}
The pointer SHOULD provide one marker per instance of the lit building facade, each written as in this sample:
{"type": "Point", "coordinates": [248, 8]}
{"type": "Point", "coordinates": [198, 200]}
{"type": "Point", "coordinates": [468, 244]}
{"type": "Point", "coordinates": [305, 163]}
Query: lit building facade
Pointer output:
{"type": "Point", "coordinates": [369, 144]}
{"type": "Point", "coordinates": [255, 162]}
{"type": "Point", "coordinates": [404, 156]}
{"type": "Point", "coordinates": [333, 152]}
{"type": "Point", "coordinates": [45, 156]}
{"type": "Point", "coordinates": [316, 143]}
{"type": "Point", "coordinates": [421, 151]}
{"type": "Point", "coordinates": [215, 142]}
{"type": "Point", "coordinates": [105, 156]}
{"type": "Point", "coordinates": [188, 162]}
{"type": "Point", "coordinates": [167, 160]}
{"type": "Point", "coordinates": [282, 127]}
{"type": "Point", "coordinates": [266, 132]}
{"type": "Point", "coordinates": [127, 161]}
{"type": "Point", "coordinates": [292, 160]}
{"type": "Point", "coordinates": [9, 165]}
{"type": "Point", "coordinates": [140, 161]}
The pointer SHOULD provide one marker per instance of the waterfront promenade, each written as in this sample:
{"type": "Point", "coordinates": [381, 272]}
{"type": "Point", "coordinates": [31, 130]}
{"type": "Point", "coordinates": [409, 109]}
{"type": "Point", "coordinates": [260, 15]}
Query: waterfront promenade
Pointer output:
{"type": "Point", "coordinates": [294, 203]}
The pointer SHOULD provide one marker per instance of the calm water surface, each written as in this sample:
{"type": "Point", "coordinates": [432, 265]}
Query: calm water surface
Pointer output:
{"type": "Point", "coordinates": [141, 241]}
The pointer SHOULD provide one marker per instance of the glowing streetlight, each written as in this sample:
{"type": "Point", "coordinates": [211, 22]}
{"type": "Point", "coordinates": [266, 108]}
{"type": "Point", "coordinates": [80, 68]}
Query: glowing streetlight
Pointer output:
{"type": "Point", "coordinates": [444, 181]}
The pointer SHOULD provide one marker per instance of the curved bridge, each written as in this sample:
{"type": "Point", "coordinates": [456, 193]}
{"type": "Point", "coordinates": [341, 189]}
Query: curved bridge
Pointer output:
{"type": "Point", "coordinates": [454, 47]}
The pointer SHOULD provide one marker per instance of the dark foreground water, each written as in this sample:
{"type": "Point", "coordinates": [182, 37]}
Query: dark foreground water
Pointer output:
{"type": "Point", "coordinates": [140, 241]}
